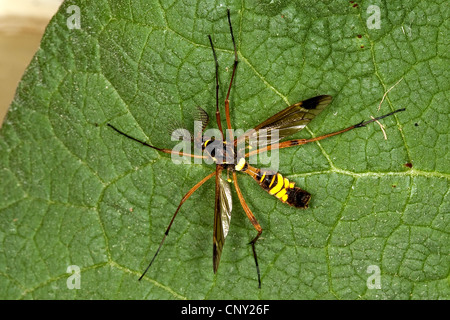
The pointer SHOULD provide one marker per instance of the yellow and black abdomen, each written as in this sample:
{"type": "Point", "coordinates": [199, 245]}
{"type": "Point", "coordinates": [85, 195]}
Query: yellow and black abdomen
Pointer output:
{"type": "Point", "coordinates": [276, 185]}
{"type": "Point", "coordinates": [283, 189]}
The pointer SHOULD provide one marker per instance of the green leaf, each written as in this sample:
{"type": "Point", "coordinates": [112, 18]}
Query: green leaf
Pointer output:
{"type": "Point", "coordinates": [74, 192]}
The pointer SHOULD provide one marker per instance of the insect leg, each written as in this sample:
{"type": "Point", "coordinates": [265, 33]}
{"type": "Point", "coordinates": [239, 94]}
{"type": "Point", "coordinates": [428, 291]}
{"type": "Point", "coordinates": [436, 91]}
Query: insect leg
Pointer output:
{"type": "Point", "coordinates": [156, 148]}
{"type": "Point", "coordinates": [219, 123]}
{"type": "Point", "coordinates": [252, 219]}
{"type": "Point", "coordinates": [186, 196]}
{"type": "Point", "coordinates": [227, 101]}
{"type": "Point", "coordinates": [297, 142]}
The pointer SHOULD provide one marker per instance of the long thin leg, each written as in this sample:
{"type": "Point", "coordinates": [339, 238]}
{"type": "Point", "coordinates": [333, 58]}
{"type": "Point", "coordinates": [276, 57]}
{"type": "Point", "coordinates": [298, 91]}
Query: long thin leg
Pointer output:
{"type": "Point", "coordinates": [252, 219]}
{"type": "Point", "coordinates": [159, 149]}
{"type": "Point", "coordinates": [186, 196]}
{"type": "Point", "coordinates": [227, 101]}
{"type": "Point", "coordinates": [219, 123]}
{"type": "Point", "coordinates": [297, 142]}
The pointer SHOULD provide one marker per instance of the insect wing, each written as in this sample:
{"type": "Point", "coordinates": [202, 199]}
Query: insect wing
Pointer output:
{"type": "Point", "coordinates": [287, 122]}
{"type": "Point", "coordinates": [222, 217]}
{"type": "Point", "coordinates": [179, 133]}
{"type": "Point", "coordinates": [202, 117]}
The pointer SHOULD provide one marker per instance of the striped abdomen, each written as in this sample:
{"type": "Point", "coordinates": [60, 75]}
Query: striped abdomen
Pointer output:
{"type": "Point", "coordinates": [283, 189]}
{"type": "Point", "coordinates": [278, 186]}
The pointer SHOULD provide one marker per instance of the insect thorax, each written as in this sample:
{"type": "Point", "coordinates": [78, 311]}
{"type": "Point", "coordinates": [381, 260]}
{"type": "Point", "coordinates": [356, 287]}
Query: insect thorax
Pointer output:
{"type": "Point", "coordinates": [221, 152]}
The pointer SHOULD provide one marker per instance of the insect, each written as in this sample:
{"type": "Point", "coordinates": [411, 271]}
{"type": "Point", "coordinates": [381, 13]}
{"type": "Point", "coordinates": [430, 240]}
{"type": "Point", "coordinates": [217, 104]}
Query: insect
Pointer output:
{"type": "Point", "coordinates": [228, 156]}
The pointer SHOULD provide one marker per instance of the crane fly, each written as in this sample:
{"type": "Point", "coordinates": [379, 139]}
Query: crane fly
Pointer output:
{"type": "Point", "coordinates": [228, 157]}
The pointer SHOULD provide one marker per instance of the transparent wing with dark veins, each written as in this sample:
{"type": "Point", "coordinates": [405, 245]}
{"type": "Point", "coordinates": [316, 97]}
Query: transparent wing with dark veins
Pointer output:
{"type": "Point", "coordinates": [222, 217]}
{"type": "Point", "coordinates": [287, 122]}
{"type": "Point", "coordinates": [202, 116]}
